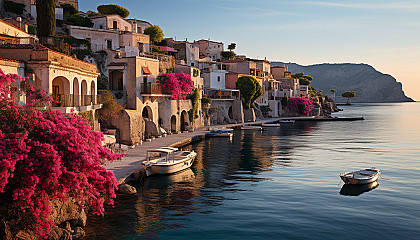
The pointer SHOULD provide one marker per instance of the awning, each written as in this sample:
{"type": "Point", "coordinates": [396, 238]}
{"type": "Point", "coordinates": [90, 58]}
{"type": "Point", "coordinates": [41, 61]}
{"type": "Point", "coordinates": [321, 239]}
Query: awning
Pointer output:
{"type": "Point", "coordinates": [146, 70]}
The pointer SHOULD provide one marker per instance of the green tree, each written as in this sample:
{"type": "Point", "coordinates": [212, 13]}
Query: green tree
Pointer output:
{"type": "Point", "coordinates": [78, 20]}
{"type": "Point", "coordinates": [348, 95]}
{"type": "Point", "coordinates": [228, 54]}
{"type": "Point", "coordinates": [69, 9]}
{"type": "Point", "coordinates": [250, 90]}
{"type": "Point", "coordinates": [155, 33]}
{"type": "Point", "coordinates": [45, 20]}
{"type": "Point", "coordinates": [113, 9]}
{"type": "Point", "coordinates": [303, 79]}
{"type": "Point", "coordinates": [232, 46]}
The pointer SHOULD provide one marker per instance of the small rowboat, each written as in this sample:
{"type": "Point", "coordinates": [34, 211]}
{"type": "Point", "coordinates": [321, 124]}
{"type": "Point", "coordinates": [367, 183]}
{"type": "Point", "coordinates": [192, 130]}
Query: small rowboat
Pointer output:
{"type": "Point", "coordinates": [251, 128]}
{"type": "Point", "coordinates": [361, 177]}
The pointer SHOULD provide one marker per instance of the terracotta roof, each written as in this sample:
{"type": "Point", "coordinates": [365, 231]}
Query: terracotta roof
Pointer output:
{"type": "Point", "coordinates": [9, 60]}
{"type": "Point", "coordinates": [22, 46]}
{"type": "Point", "coordinates": [234, 61]}
{"type": "Point", "coordinates": [146, 70]}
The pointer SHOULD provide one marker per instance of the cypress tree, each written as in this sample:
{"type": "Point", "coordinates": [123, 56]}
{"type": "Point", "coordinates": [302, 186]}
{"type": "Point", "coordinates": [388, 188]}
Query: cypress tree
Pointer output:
{"type": "Point", "coordinates": [45, 19]}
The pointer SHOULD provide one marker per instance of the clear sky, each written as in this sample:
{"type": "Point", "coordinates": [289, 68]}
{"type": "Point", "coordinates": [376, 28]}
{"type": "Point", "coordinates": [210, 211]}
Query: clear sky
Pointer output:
{"type": "Point", "coordinates": [382, 33]}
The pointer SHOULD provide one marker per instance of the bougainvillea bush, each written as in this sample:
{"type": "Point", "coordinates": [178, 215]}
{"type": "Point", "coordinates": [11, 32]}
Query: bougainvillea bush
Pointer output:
{"type": "Point", "coordinates": [47, 155]}
{"type": "Point", "coordinates": [300, 105]}
{"type": "Point", "coordinates": [178, 85]}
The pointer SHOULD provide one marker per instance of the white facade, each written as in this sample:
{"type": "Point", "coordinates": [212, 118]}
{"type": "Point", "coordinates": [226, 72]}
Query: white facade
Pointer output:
{"type": "Point", "coordinates": [100, 39]}
{"type": "Point", "coordinates": [215, 78]}
{"type": "Point", "coordinates": [111, 22]}
{"type": "Point", "coordinates": [192, 53]}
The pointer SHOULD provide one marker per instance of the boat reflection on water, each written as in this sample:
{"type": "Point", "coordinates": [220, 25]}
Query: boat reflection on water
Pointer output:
{"type": "Point", "coordinates": [163, 181]}
{"type": "Point", "coordinates": [356, 190]}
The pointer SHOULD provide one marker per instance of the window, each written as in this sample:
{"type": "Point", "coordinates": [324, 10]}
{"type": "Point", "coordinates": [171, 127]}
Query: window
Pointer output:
{"type": "Point", "coordinates": [126, 28]}
{"type": "Point", "coordinates": [192, 64]}
{"type": "Point", "coordinates": [139, 30]}
{"type": "Point", "coordinates": [109, 44]}
{"type": "Point", "coordinates": [114, 25]}
{"type": "Point", "coordinates": [218, 78]}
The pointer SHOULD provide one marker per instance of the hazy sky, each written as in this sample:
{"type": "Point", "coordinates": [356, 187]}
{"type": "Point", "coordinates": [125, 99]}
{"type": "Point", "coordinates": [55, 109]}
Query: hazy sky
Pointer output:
{"type": "Point", "coordinates": [382, 33]}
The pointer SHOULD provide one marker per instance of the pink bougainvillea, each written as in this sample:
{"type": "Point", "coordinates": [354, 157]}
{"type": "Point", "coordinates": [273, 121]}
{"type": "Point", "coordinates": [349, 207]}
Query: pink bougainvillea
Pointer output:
{"type": "Point", "coordinates": [178, 85]}
{"type": "Point", "coordinates": [300, 105]}
{"type": "Point", "coordinates": [46, 155]}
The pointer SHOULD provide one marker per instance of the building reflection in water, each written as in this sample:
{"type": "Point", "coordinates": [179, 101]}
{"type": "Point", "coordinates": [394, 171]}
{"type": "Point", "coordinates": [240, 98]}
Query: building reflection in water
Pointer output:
{"type": "Point", "coordinates": [221, 165]}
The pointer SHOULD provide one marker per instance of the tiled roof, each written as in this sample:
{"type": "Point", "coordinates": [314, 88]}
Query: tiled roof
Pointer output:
{"type": "Point", "coordinates": [13, 26]}
{"type": "Point", "coordinates": [23, 46]}
{"type": "Point", "coordinates": [8, 60]}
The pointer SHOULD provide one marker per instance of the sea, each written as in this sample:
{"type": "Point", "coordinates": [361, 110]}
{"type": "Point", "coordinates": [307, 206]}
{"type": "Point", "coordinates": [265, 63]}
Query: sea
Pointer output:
{"type": "Point", "coordinates": [283, 183]}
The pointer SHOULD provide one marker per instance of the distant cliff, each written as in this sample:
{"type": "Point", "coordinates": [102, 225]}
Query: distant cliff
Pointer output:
{"type": "Point", "coordinates": [369, 84]}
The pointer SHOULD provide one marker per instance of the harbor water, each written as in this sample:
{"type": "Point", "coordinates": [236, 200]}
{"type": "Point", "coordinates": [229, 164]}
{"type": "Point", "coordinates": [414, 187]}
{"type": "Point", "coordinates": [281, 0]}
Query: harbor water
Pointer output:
{"type": "Point", "coordinates": [283, 183]}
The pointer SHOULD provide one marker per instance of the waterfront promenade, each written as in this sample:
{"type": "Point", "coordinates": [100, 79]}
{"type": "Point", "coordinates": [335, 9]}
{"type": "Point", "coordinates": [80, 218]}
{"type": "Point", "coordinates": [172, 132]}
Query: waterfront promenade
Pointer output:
{"type": "Point", "coordinates": [133, 156]}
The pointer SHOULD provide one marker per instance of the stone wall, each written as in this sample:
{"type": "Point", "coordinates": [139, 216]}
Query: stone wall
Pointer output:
{"type": "Point", "coordinates": [226, 111]}
{"type": "Point", "coordinates": [130, 127]}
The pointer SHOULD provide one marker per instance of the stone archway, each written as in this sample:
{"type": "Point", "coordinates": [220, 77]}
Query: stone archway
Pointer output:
{"type": "Point", "coordinates": [184, 121]}
{"type": "Point", "coordinates": [93, 92]}
{"type": "Point", "coordinates": [76, 93]}
{"type": "Point", "coordinates": [147, 113]}
{"type": "Point", "coordinates": [84, 93]}
{"type": "Point", "coordinates": [61, 92]}
{"type": "Point", "coordinates": [173, 123]}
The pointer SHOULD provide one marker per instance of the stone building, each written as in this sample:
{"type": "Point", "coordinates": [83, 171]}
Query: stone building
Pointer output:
{"type": "Point", "coordinates": [210, 49]}
{"type": "Point", "coordinates": [186, 51]}
{"type": "Point", "coordinates": [71, 82]}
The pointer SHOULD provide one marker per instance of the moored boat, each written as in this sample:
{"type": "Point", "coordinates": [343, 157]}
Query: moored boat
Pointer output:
{"type": "Point", "coordinates": [271, 124]}
{"type": "Point", "coordinates": [220, 133]}
{"type": "Point", "coordinates": [287, 121]}
{"type": "Point", "coordinates": [365, 176]}
{"type": "Point", "coordinates": [167, 160]}
{"type": "Point", "coordinates": [251, 128]}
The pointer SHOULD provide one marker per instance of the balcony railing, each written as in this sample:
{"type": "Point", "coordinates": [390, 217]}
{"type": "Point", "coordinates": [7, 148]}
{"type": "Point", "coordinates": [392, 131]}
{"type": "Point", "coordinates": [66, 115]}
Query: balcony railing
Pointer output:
{"type": "Point", "coordinates": [153, 88]}
{"type": "Point", "coordinates": [70, 100]}
{"type": "Point", "coordinates": [222, 93]}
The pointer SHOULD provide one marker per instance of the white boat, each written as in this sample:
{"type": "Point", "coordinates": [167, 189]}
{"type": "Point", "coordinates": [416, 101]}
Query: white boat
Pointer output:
{"type": "Point", "coordinates": [271, 124]}
{"type": "Point", "coordinates": [167, 160]}
{"type": "Point", "coordinates": [287, 121]}
{"type": "Point", "coordinates": [361, 177]}
{"type": "Point", "coordinates": [251, 128]}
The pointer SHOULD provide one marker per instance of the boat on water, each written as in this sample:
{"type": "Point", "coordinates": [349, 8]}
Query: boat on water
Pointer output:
{"type": "Point", "coordinates": [220, 133]}
{"type": "Point", "coordinates": [271, 124]}
{"type": "Point", "coordinates": [365, 176]}
{"type": "Point", "coordinates": [287, 121]}
{"type": "Point", "coordinates": [167, 160]}
{"type": "Point", "coordinates": [251, 128]}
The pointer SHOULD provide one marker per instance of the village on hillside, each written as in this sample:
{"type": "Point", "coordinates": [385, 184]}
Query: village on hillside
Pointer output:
{"type": "Point", "coordinates": [127, 79]}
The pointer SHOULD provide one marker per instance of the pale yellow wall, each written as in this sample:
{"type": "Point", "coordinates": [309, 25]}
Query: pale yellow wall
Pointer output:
{"type": "Point", "coordinates": [9, 30]}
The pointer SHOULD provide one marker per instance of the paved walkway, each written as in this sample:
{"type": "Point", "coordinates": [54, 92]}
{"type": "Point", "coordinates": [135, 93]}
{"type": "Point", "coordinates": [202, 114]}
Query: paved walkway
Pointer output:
{"type": "Point", "coordinates": [133, 157]}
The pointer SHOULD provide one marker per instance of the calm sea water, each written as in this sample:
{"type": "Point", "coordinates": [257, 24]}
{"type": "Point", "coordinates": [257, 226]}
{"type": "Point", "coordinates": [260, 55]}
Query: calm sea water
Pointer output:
{"type": "Point", "coordinates": [283, 184]}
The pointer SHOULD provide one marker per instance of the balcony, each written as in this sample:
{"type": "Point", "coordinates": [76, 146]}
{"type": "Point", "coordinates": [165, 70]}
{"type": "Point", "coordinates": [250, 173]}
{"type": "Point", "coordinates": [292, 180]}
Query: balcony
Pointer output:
{"type": "Point", "coordinates": [71, 100]}
{"type": "Point", "coordinates": [222, 93]}
{"type": "Point", "coordinates": [154, 89]}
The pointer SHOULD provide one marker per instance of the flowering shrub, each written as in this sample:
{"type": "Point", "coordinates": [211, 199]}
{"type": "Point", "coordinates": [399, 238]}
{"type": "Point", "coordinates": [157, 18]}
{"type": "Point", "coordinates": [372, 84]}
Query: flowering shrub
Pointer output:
{"type": "Point", "coordinates": [46, 155]}
{"type": "Point", "coordinates": [178, 85]}
{"type": "Point", "coordinates": [300, 105]}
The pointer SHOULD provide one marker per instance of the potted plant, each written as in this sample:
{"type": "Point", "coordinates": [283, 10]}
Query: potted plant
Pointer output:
{"type": "Point", "coordinates": [205, 102]}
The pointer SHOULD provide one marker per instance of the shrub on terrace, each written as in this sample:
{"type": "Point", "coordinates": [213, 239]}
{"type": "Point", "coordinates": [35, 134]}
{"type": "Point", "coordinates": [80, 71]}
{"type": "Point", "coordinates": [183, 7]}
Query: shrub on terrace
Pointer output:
{"type": "Point", "coordinates": [250, 90]}
{"type": "Point", "coordinates": [78, 20]}
{"type": "Point", "coordinates": [300, 105]}
{"type": "Point", "coordinates": [47, 155]}
{"type": "Point", "coordinates": [178, 85]}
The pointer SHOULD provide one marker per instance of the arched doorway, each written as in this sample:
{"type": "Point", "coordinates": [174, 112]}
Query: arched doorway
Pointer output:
{"type": "Point", "coordinates": [84, 94]}
{"type": "Point", "coordinates": [184, 121]}
{"type": "Point", "coordinates": [61, 92]}
{"type": "Point", "coordinates": [147, 113]}
{"type": "Point", "coordinates": [76, 93]}
{"type": "Point", "coordinates": [173, 123]}
{"type": "Point", "coordinates": [93, 92]}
